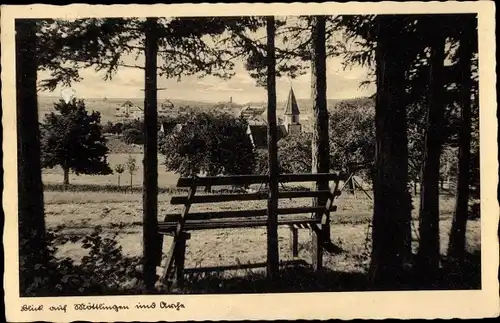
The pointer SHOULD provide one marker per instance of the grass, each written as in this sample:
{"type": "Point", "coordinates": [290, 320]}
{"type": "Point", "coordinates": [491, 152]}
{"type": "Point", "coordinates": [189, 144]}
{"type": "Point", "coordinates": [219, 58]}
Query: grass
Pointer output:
{"type": "Point", "coordinates": [78, 213]}
{"type": "Point", "coordinates": [165, 179]}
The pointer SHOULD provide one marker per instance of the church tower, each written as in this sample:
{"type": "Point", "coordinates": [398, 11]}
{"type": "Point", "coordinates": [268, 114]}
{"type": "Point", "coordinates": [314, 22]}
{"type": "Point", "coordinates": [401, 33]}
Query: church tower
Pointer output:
{"type": "Point", "coordinates": [291, 118]}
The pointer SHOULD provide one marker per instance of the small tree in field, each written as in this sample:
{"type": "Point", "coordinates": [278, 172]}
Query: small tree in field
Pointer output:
{"type": "Point", "coordinates": [72, 138]}
{"type": "Point", "coordinates": [131, 167]}
{"type": "Point", "coordinates": [119, 169]}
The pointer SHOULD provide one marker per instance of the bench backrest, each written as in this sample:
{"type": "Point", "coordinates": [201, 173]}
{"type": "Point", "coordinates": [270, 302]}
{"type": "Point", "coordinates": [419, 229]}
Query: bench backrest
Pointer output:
{"type": "Point", "coordinates": [195, 182]}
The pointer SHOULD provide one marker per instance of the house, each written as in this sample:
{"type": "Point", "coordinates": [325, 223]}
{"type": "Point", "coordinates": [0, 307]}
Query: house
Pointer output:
{"type": "Point", "coordinates": [128, 110]}
{"type": "Point", "coordinates": [252, 112]}
{"type": "Point", "coordinates": [165, 108]}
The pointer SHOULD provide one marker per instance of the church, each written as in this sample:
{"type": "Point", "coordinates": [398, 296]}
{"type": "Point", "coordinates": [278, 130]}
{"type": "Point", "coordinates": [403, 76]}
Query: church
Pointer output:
{"type": "Point", "coordinates": [288, 124]}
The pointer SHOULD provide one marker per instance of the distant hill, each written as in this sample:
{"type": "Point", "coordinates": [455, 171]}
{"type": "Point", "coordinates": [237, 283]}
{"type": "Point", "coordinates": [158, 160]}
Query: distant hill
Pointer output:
{"type": "Point", "coordinates": [107, 107]}
{"type": "Point", "coordinates": [365, 102]}
{"type": "Point", "coordinates": [305, 105]}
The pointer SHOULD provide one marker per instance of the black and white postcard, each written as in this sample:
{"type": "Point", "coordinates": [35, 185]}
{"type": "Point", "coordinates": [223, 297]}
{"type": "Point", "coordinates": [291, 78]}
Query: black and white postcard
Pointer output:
{"type": "Point", "coordinates": [250, 161]}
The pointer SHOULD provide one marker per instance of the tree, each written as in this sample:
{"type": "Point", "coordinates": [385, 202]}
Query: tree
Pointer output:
{"type": "Point", "coordinates": [295, 153]}
{"type": "Point", "coordinates": [119, 169]}
{"type": "Point", "coordinates": [272, 147]}
{"type": "Point", "coordinates": [107, 127]}
{"type": "Point", "coordinates": [131, 166]}
{"type": "Point", "coordinates": [113, 128]}
{"type": "Point", "coordinates": [33, 255]}
{"type": "Point", "coordinates": [429, 249]}
{"type": "Point", "coordinates": [211, 143]}
{"type": "Point", "coordinates": [320, 142]}
{"type": "Point", "coordinates": [352, 136]}
{"type": "Point", "coordinates": [151, 240]}
{"type": "Point", "coordinates": [467, 47]}
{"type": "Point", "coordinates": [72, 139]}
{"type": "Point", "coordinates": [133, 136]}
{"type": "Point", "coordinates": [391, 229]}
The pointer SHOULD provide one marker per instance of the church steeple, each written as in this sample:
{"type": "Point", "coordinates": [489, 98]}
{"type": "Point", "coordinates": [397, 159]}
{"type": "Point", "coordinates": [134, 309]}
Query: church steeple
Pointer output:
{"type": "Point", "coordinates": [291, 108]}
{"type": "Point", "coordinates": [291, 117]}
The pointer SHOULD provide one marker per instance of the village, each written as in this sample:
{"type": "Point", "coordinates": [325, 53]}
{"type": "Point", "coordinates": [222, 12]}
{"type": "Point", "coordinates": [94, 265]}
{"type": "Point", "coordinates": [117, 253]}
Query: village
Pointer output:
{"type": "Point", "coordinates": [291, 121]}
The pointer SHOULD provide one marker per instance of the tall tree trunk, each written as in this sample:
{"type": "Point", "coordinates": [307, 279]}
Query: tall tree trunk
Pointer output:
{"type": "Point", "coordinates": [429, 247]}
{"type": "Point", "coordinates": [66, 176]}
{"type": "Point", "coordinates": [32, 244]}
{"type": "Point", "coordinates": [320, 142]}
{"type": "Point", "coordinates": [118, 180]}
{"type": "Point", "coordinates": [456, 246]}
{"type": "Point", "coordinates": [391, 233]}
{"type": "Point", "coordinates": [272, 141]}
{"type": "Point", "coordinates": [151, 241]}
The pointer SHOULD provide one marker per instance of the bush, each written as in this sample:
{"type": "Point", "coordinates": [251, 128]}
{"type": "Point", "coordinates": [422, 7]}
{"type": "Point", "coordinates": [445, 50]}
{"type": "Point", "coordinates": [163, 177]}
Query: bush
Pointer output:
{"type": "Point", "coordinates": [133, 124]}
{"type": "Point", "coordinates": [104, 271]}
{"type": "Point", "coordinates": [133, 136]}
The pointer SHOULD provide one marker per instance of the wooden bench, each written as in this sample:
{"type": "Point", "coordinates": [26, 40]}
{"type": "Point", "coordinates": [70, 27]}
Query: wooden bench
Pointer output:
{"type": "Point", "coordinates": [178, 225]}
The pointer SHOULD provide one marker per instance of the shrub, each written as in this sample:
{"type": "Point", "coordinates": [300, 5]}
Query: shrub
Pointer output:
{"type": "Point", "coordinates": [104, 271]}
{"type": "Point", "coordinates": [133, 136]}
{"type": "Point", "coordinates": [113, 128]}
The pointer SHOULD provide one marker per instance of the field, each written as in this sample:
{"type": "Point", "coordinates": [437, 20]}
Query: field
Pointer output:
{"type": "Point", "coordinates": [120, 215]}
{"type": "Point", "coordinates": [165, 179]}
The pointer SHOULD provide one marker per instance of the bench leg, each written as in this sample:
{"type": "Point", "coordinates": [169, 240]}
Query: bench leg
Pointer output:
{"type": "Point", "coordinates": [316, 251]}
{"type": "Point", "coordinates": [159, 250]}
{"type": "Point", "coordinates": [294, 241]}
{"type": "Point", "coordinates": [180, 257]}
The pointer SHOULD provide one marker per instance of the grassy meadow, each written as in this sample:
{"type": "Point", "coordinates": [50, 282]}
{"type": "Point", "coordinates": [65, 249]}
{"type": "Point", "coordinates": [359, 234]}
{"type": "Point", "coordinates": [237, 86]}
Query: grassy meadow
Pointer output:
{"type": "Point", "coordinates": [165, 179]}
{"type": "Point", "coordinates": [119, 215]}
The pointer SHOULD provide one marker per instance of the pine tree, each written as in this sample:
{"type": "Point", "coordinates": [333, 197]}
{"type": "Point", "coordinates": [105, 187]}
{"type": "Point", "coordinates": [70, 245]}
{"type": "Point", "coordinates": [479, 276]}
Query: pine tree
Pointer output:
{"type": "Point", "coordinates": [392, 214]}
{"type": "Point", "coordinates": [32, 236]}
{"type": "Point", "coordinates": [468, 45]}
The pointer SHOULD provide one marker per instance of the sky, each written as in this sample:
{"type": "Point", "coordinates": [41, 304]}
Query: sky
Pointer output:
{"type": "Point", "coordinates": [128, 82]}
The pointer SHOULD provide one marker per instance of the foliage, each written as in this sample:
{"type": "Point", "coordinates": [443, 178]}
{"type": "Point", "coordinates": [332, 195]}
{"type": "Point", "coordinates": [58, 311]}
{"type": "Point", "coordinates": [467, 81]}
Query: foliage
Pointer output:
{"type": "Point", "coordinates": [295, 153]}
{"type": "Point", "coordinates": [72, 138]}
{"type": "Point", "coordinates": [352, 136]}
{"type": "Point", "coordinates": [120, 168]}
{"type": "Point", "coordinates": [105, 270]}
{"type": "Point", "coordinates": [133, 124]}
{"type": "Point", "coordinates": [131, 166]}
{"type": "Point", "coordinates": [103, 42]}
{"type": "Point", "coordinates": [133, 136]}
{"type": "Point", "coordinates": [113, 128]}
{"type": "Point", "coordinates": [211, 143]}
